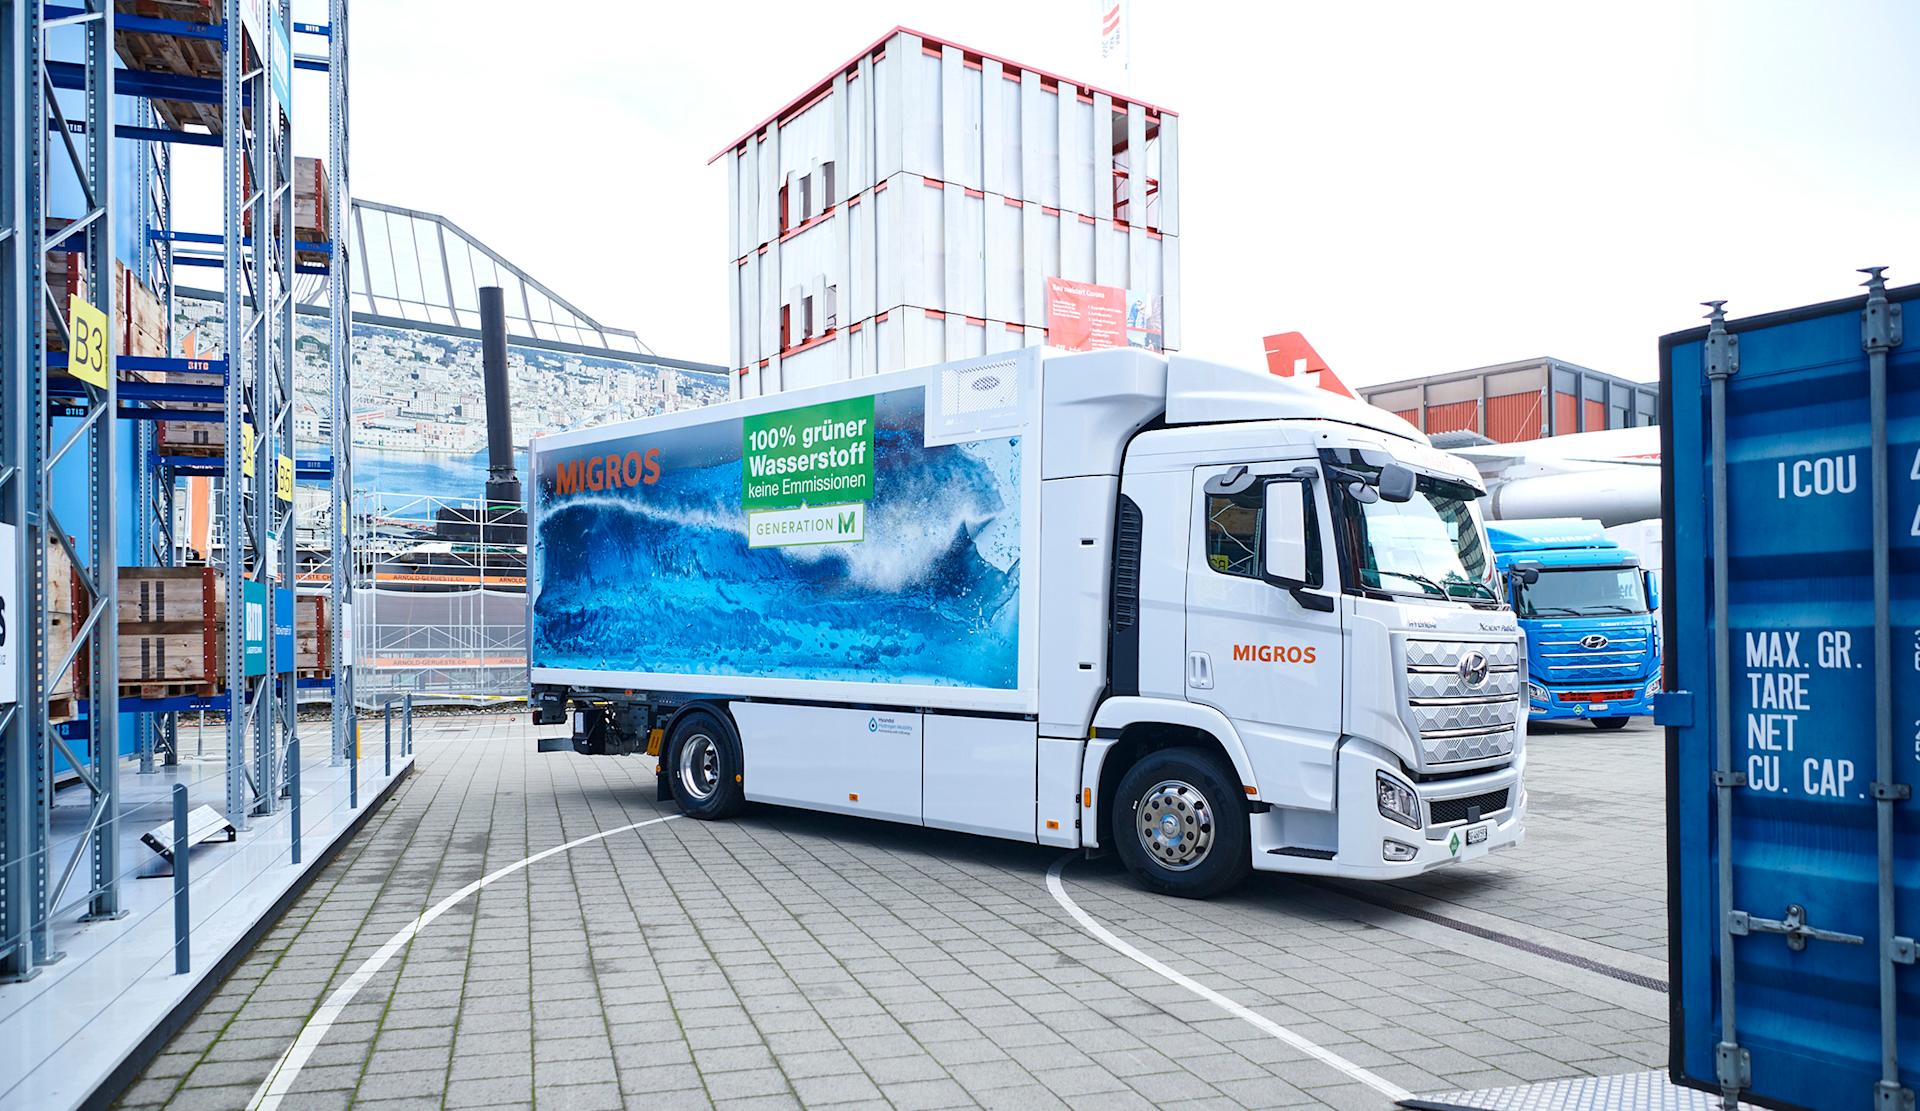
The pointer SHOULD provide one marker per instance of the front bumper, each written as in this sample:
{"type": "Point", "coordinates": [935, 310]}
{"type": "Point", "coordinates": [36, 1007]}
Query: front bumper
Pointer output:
{"type": "Point", "coordinates": [1553, 709]}
{"type": "Point", "coordinates": [1446, 838]}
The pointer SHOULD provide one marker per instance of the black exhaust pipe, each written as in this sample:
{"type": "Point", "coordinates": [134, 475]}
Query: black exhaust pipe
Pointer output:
{"type": "Point", "coordinates": [503, 485]}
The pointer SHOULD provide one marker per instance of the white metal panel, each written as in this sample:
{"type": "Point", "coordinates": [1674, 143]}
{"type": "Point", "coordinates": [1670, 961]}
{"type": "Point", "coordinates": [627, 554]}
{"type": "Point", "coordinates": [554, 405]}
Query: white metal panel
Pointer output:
{"type": "Point", "coordinates": [961, 271]}
{"type": "Point", "coordinates": [1169, 176]}
{"type": "Point", "coordinates": [1165, 507]}
{"type": "Point", "coordinates": [859, 295]}
{"type": "Point", "coordinates": [1110, 254]}
{"type": "Point", "coordinates": [1075, 146]}
{"type": "Point", "coordinates": [1170, 289]}
{"type": "Point", "coordinates": [923, 136]}
{"type": "Point", "coordinates": [843, 761]}
{"type": "Point", "coordinates": [1136, 164]}
{"type": "Point", "coordinates": [979, 775]}
{"type": "Point", "coordinates": [767, 163]}
{"type": "Point", "coordinates": [966, 236]}
{"type": "Point", "coordinates": [841, 110]}
{"type": "Point", "coordinates": [1012, 141]}
{"type": "Point", "coordinates": [736, 341]}
{"type": "Point", "coordinates": [954, 132]}
{"type": "Point", "coordinates": [1100, 156]}
{"type": "Point", "coordinates": [816, 366]}
{"type": "Point", "coordinates": [1075, 570]}
{"type": "Point", "coordinates": [970, 173]}
{"type": "Point", "coordinates": [1039, 142]}
{"type": "Point", "coordinates": [1038, 252]}
{"type": "Point", "coordinates": [734, 249]}
{"type": "Point", "coordinates": [1002, 337]}
{"type": "Point", "coordinates": [889, 108]}
{"type": "Point", "coordinates": [1142, 275]}
{"type": "Point", "coordinates": [1057, 792]}
{"type": "Point", "coordinates": [1076, 249]}
{"type": "Point", "coordinates": [1004, 260]}
{"type": "Point", "coordinates": [769, 265]}
{"type": "Point", "coordinates": [993, 124]}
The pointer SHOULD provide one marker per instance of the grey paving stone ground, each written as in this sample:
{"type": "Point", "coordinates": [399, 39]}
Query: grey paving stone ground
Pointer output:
{"type": "Point", "coordinates": [792, 959]}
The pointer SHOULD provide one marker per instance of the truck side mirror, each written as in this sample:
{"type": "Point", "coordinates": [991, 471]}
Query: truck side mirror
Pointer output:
{"type": "Point", "coordinates": [1653, 590]}
{"type": "Point", "coordinates": [1396, 483]}
{"type": "Point", "coordinates": [1285, 538]}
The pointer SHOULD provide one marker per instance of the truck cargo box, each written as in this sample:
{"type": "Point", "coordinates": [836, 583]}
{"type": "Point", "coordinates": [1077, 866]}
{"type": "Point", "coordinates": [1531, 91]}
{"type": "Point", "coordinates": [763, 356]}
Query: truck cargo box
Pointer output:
{"type": "Point", "coordinates": [1794, 839]}
{"type": "Point", "coordinates": [864, 541]}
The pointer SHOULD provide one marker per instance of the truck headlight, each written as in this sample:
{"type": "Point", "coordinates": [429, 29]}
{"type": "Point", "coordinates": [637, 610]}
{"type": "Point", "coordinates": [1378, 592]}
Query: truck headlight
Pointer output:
{"type": "Point", "coordinates": [1536, 692]}
{"type": "Point", "coordinates": [1397, 800]}
{"type": "Point", "coordinates": [1653, 684]}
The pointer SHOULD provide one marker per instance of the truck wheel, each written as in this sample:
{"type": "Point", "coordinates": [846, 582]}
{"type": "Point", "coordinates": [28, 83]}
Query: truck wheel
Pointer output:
{"type": "Point", "coordinates": [703, 768]}
{"type": "Point", "coordinates": [1180, 824]}
{"type": "Point", "coordinates": [1609, 724]}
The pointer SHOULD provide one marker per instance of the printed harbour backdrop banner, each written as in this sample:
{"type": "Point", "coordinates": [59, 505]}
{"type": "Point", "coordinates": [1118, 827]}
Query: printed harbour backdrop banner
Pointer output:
{"type": "Point", "coordinates": [820, 542]}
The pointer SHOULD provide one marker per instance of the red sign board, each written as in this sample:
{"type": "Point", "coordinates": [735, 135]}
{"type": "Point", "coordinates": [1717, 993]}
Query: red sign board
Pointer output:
{"type": "Point", "coordinates": [1082, 316]}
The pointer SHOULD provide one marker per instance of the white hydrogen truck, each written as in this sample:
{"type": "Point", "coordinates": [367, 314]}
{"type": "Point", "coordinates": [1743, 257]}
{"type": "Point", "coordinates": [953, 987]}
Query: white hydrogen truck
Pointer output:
{"type": "Point", "coordinates": [1210, 619]}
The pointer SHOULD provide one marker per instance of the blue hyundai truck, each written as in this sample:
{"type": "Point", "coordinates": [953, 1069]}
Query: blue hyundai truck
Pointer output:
{"type": "Point", "coordinates": [1593, 647]}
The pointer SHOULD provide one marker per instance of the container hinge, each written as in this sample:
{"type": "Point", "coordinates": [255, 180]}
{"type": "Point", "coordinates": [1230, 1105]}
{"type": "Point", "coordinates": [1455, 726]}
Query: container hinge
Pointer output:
{"type": "Point", "coordinates": [1732, 1067]}
{"type": "Point", "coordinates": [1894, 792]}
{"type": "Point", "coordinates": [1880, 324]}
{"type": "Point", "coordinates": [1889, 1096]}
{"type": "Point", "coordinates": [1723, 347]}
{"type": "Point", "coordinates": [1794, 926]}
{"type": "Point", "coordinates": [1903, 950]}
{"type": "Point", "coordinates": [1729, 779]}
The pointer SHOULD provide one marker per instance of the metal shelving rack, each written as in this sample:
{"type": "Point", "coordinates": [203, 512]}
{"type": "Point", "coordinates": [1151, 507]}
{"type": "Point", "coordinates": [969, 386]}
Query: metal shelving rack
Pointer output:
{"type": "Point", "coordinates": [254, 404]}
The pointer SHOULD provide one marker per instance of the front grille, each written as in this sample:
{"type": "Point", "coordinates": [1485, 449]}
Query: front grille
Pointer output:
{"type": "Point", "coordinates": [1460, 714]}
{"type": "Point", "coordinates": [1442, 812]}
{"type": "Point", "coordinates": [1595, 696]}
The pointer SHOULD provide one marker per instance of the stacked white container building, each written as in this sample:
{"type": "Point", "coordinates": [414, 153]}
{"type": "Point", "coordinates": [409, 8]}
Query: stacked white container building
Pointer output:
{"type": "Point", "coordinates": [909, 210]}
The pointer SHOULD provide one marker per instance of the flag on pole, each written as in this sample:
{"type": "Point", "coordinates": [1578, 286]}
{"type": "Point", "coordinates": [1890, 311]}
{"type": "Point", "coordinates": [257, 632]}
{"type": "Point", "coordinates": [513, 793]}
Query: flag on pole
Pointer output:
{"type": "Point", "coordinates": [1111, 19]}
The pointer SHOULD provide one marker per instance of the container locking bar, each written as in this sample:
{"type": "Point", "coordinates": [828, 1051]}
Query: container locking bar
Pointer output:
{"type": "Point", "coordinates": [1880, 333]}
{"type": "Point", "coordinates": [1731, 1063]}
{"type": "Point", "coordinates": [1794, 925]}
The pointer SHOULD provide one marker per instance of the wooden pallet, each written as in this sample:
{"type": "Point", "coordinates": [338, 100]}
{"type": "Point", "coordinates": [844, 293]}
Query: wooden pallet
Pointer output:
{"type": "Point", "coordinates": [168, 690]}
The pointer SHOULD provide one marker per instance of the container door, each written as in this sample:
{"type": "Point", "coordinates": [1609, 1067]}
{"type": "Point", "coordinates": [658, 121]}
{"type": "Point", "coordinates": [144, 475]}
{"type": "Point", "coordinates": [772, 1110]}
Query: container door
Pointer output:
{"type": "Point", "coordinates": [1796, 806]}
{"type": "Point", "coordinates": [1266, 657]}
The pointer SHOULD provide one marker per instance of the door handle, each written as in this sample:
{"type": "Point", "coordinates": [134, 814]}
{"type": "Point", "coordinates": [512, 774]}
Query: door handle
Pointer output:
{"type": "Point", "coordinates": [1200, 671]}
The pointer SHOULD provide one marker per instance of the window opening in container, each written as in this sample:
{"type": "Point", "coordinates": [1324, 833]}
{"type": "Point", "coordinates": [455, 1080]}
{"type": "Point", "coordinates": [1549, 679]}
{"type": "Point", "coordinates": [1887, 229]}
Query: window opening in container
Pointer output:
{"type": "Point", "coordinates": [1121, 167]}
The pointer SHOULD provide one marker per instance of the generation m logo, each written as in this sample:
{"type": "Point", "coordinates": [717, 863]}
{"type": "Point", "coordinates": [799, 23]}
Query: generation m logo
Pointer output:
{"type": "Point", "coordinates": [1473, 669]}
{"type": "Point", "coordinates": [1593, 642]}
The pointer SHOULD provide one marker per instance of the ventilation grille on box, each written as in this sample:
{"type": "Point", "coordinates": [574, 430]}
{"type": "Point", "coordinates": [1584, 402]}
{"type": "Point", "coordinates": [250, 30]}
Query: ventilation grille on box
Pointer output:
{"type": "Point", "coordinates": [980, 392]}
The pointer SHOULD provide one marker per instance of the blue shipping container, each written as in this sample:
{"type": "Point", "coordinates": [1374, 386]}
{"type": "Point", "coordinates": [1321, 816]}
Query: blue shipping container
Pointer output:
{"type": "Point", "coordinates": [1793, 842]}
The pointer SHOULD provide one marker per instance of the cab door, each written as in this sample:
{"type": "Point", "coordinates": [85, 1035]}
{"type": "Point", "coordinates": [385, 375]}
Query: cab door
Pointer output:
{"type": "Point", "coordinates": [1266, 654]}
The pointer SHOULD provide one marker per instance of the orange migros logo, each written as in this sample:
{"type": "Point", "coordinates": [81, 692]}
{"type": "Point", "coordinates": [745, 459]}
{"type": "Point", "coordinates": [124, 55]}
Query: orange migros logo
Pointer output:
{"type": "Point", "coordinates": [1273, 653]}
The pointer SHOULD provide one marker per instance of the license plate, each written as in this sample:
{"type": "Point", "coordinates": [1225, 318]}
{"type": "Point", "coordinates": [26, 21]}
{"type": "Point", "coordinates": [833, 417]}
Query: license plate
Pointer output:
{"type": "Point", "coordinates": [1477, 836]}
{"type": "Point", "coordinates": [1596, 705]}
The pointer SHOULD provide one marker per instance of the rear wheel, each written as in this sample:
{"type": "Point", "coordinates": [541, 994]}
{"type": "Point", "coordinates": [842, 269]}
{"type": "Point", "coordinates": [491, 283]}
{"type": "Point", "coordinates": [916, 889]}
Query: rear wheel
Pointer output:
{"type": "Point", "coordinates": [1180, 824]}
{"type": "Point", "coordinates": [703, 768]}
{"type": "Point", "coordinates": [1610, 723]}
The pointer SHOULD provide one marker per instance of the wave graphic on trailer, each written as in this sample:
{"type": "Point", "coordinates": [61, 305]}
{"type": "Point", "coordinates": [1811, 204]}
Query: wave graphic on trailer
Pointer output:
{"type": "Point", "coordinates": [662, 579]}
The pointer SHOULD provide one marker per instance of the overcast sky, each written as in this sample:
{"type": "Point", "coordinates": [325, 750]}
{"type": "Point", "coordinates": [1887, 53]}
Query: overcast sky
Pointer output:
{"type": "Point", "coordinates": [1418, 187]}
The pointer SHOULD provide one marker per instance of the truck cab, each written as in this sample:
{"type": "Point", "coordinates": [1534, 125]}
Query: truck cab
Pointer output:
{"type": "Point", "coordinates": [1587, 607]}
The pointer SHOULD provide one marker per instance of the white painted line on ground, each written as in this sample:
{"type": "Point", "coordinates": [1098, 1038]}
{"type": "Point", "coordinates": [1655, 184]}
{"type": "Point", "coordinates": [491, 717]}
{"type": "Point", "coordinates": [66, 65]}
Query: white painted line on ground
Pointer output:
{"type": "Point", "coordinates": [287, 1069]}
{"type": "Point", "coordinates": [1261, 1022]}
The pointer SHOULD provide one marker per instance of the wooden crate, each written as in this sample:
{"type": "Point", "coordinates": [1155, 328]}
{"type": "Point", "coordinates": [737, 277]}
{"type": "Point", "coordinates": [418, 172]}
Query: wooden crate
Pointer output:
{"type": "Point", "coordinates": [160, 53]}
{"type": "Point", "coordinates": [193, 378]}
{"type": "Point", "coordinates": [310, 215]}
{"type": "Point", "coordinates": [63, 592]}
{"type": "Point", "coordinates": [139, 320]}
{"type": "Point", "coordinates": [312, 636]}
{"type": "Point", "coordinates": [169, 595]}
{"type": "Point", "coordinates": [163, 660]}
{"type": "Point", "coordinates": [191, 437]}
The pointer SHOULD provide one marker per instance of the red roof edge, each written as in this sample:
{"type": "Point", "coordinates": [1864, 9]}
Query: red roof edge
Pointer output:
{"type": "Point", "coordinates": [815, 90]}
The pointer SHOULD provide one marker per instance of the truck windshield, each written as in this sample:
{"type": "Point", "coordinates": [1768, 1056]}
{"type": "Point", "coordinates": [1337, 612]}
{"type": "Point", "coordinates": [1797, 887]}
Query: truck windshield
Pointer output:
{"type": "Point", "coordinates": [1586, 592]}
{"type": "Point", "coordinates": [1427, 546]}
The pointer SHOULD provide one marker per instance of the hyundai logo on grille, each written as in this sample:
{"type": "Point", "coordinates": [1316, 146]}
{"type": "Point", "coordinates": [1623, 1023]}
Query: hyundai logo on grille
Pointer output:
{"type": "Point", "coordinates": [1473, 669]}
{"type": "Point", "coordinates": [1595, 642]}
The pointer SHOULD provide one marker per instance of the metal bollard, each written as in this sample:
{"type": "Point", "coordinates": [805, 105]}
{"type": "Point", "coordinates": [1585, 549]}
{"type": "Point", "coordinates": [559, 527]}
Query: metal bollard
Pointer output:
{"type": "Point", "coordinates": [388, 709]}
{"type": "Point", "coordinates": [293, 792]}
{"type": "Point", "coordinates": [406, 727]}
{"type": "Point", "coordinates": [182, 955]}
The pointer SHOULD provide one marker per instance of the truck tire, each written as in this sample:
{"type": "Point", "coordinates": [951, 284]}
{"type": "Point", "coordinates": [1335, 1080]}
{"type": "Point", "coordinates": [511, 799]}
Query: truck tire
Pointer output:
{"type": "Point", "coordinates": [703, 768]}
{"type": "Point", "coordinates": [1609, 724]}
{"type": "Point", "coordinates": [1180, 824]}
